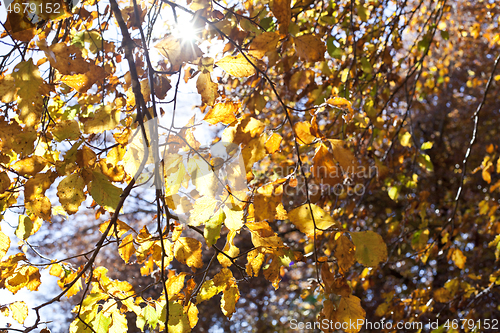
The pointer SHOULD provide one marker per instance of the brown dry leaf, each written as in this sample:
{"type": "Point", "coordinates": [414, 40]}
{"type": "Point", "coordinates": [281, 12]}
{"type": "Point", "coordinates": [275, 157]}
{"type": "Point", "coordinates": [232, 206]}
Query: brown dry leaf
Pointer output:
{"type": "Point", "coordinates": [310, 48]}
{"type": "Point", "coordinates": [263, 43]}
{"type": "Point", "coordinates": [222, 113]}
{"type": "Point", "coordinates": [344, 156]}
{"type": "Point", "coordinates": [348, 313]}
{"type": "Point", "coordinates": [325, 169]}
{"type": "Point", "coordinates": [283, 12]}
{"type": "Point", "coordinates": [344, 252]}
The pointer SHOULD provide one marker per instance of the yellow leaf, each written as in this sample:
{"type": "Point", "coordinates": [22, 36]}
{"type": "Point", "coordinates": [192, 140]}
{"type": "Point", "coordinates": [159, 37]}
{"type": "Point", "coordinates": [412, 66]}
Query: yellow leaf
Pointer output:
{"type": "Point", "coordinates": [254, 151]}
{"type": "Point", "coordinates": [104, 193]}
{"type": "Point", "coordinates": [67, 59]}
{"type": "Point", "coordinates": [203, 209]}
{"type": "Point", "coordinates": [273, 143]}
{"type": "Point", "coordinates": [175, 283]}
{"type": "Point", "coordinates": [20, 140]}
{"type": "Point", "coordinates": [283, 12]}
{"type": "Point", "coordinates": [340, 102]}
{"type": "Point", "coordinates": [255, 259]}
{"type": "Point", "coordinates": [19, 311]}
{"type": "Point", "coordinates": [458, 258]}
{"type": "Point", "coordinates": [121, 228]}
{"type": "Point", "coordinates": [105, 118]}
{"type": "Point", "coordinates": [303, 219]}
{"type": "Point", "coordinates": [207, 89]}
{"type": "Point", "coordinates": [303, 133]}
{"type": "Point", "coordinates": [4, 244]}
{"type": "Point", "coordinates": [222, 113]}
{"type": "Point", "coordinates": [8, 89]}
{"type": "Point", "coordinates": [228, 301]}
{"type": "Point", "coordinates": [188, 251]}
{"type": "Point", "coordinates": [238, 66]}
{"type": "Point", "coordinates": [263, 235]}
{"type": "Point", "coordinates": [263, 43]}
{"type": "Point", "coordinates": [24, 228]}
{"type": "Point", "coordinates": [234, 219]}
{"type": "Point", "coordinates": [66, 130]}
{"type": "Point", "coordinates": [178, 51]}
{"type": "Point", "coordinates": [310, 48]}
{"type": "Point", "coordinates": [370, 248]}
{"type": "Point", "coordinates": [83, 82]}
{"type": "Point", "coordinates": [70, 193]}
{"type": "Point", "coordinates": [127, 248]}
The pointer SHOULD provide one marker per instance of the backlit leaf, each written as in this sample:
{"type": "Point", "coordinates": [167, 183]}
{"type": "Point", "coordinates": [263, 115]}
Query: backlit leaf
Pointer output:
{"type": "Point", "coordinates": [238, 66]}
{"type": "Point", "coordinates": [370, 248]}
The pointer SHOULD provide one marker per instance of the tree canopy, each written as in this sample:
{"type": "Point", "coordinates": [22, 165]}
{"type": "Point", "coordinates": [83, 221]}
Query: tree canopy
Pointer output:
{"type": "Point", "coordinates": [250, 166]}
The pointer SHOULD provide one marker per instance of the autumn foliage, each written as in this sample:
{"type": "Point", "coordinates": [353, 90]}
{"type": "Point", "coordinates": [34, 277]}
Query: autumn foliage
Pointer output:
{"type": "Point", "coordinates": [184, 166]}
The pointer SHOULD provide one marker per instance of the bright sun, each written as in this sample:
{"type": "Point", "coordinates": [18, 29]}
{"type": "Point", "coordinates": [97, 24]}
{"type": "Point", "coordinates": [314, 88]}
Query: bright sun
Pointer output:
{"type": "Point", "coordinates": [185, 31]}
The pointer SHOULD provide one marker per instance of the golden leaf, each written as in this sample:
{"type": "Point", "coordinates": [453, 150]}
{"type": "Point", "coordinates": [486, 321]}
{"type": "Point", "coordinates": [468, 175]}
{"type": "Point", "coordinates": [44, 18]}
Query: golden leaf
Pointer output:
{"type": "Point", "coordinates": [127, 248]}
{"type": "Point", "coordinates": [222, 113]}
{"type": "Point", "coordinates": [458, 258]}
{"type": "Point", "coordinates": [263, 235]}
{"type": "Point", "coordinates": [188, 251]}
{"type": "Point", "coordinates": [105, 118]}
{"type": "Point", "coordinates": [228, 301]}
{"type": "Point", "coordinates": [30, 166]}
{"type": "Point", "coordinates": [273, 143]}
{"type": "Point", "coordinates": [70, 193]}
{"type": "Point", "coordinates": [303, 219]}
{"type": "Point", "coordinates": [66, 130]}
{"type": "Point", "coordinates": [303, 133]}
{"type": "Point", "coordinates": [175, 283]}
{"type": "Point", "coordinates": [238, 66]}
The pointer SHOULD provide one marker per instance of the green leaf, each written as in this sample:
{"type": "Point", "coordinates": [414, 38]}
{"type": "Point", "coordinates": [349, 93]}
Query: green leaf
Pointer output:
{"type": "Point", "coordinates": [213, 226]}
{"type": "Point", "coordinates": [104, 193]}
{"type": "Point", "coordinates": [24, 228]}
{"type": "Point", "coordinates": [101, 323]}
{"type": "Point", "coordinates": [151, 316]}
{"type": "Point", "coordinates": [370, 248]}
